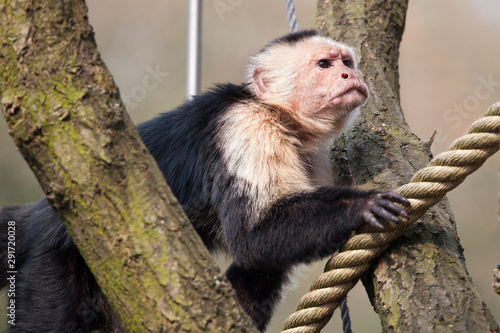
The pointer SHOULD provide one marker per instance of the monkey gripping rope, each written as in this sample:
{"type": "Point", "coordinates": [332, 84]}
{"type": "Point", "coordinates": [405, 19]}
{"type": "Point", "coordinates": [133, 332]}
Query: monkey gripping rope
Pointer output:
{"type": "Point", "coordinates": [426, 188]}
{"type": "Point", "coordinates": [292, 17]}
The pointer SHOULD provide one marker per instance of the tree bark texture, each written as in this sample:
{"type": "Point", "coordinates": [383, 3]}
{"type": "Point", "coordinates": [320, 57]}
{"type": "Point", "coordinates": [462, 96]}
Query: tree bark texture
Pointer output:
{"type": "Point", "coordinates": [65, 115]}
{"type": "Point", "coordinates": [422, 283]}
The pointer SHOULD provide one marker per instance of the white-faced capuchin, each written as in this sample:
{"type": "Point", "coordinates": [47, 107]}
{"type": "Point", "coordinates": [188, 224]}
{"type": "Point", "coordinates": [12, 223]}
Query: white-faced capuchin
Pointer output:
{"type": "Point", "coordinates": [249, 164]}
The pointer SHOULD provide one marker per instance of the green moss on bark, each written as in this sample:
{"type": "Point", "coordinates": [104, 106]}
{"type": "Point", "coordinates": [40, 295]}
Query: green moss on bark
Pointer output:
{"type": "Point", "coordinates": [66, 117]}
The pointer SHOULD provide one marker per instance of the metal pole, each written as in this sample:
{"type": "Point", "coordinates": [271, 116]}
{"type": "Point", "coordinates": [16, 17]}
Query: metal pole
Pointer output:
{"type": "Point", "coordinates": [193, 48]}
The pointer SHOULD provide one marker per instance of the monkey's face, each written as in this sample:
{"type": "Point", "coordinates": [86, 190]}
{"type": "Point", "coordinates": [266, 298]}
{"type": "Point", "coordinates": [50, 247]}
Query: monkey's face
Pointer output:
{"type": "Point", "coordinates": [315, 78]}
{"type": "Point", "coordinates": [328, 81]}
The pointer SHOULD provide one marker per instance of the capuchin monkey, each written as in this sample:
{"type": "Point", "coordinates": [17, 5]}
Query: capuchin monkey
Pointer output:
{"type": "Point", "coordinates": [249, 165]}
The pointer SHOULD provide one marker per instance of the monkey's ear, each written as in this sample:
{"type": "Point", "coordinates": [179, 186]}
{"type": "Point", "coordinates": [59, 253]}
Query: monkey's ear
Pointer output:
{"type": "Point", "coordinates": [260, 84]}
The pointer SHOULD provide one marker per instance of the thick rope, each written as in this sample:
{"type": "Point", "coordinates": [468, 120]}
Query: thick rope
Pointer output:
{"type": "Point", "coordinates": [292, 17]}
{"type": "Point", "coordinates": [426, 188]}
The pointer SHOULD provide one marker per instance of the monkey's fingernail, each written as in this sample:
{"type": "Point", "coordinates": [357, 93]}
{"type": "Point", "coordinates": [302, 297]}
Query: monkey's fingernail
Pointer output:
{"type": "Point", "coordinates": [398, 197]}
{"type": "Point", "coordinates": [405, 201]}
{"type": "Point", "coordinates": [404, 214]}
{"type": "Point", "coordinates": [375, 223]}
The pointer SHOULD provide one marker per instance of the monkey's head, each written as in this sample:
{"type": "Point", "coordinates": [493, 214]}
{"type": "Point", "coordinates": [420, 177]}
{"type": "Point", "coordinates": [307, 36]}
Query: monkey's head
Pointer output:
{"type": "Point", "coordinates": [310, 74]}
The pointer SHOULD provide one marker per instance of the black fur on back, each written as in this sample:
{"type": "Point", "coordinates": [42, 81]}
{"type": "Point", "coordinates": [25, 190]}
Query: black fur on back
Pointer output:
{"type": "Point", "coordinates": [192, 166]}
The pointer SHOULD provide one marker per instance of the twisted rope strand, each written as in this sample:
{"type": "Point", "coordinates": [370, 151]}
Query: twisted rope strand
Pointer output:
{"type": "Point", "coordinates": [346, 320]}
{"type": "Point", "coordinates": [291, 15]}
{"type": "Point", "coordinates": [426, 188]}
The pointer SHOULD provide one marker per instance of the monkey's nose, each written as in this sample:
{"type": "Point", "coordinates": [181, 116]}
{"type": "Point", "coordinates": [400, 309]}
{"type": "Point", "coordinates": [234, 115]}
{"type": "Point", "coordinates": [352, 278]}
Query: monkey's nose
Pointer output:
{"type": "Point", "coordinates": [344, 75]}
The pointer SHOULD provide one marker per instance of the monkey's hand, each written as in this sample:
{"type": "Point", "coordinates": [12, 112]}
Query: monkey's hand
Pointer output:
{"type": "Point", "coordinates": [383, 205]}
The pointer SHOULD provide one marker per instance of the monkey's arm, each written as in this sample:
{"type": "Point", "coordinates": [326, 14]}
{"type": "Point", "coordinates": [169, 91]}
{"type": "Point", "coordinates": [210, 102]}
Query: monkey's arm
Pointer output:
{"type": "Point", "coordinates": [306, 226]}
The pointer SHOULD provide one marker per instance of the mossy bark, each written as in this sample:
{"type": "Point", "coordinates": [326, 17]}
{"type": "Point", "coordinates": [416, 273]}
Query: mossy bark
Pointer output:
{"type": "Point", "coordinates": [65, 115]}
{"type": "Point", "coordinates": [422, 283]}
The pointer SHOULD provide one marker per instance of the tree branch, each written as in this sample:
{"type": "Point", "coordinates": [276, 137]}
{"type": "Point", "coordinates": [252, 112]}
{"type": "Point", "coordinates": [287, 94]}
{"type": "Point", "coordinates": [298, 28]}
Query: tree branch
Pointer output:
{"type": "Point", "coordinates": [423, 282]}
{"type": "Point", "coordinates": [66, 117]}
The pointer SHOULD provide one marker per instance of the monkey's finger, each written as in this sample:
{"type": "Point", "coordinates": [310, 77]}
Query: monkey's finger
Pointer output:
{"type": "Point", "coordinates": [383, 213]}
{"type": "Point", "coordinates": [372, 220]}
{"type": "Point", "coordinates": [396, 198]}
{"type": "Point", "coordinates": [393, 208]}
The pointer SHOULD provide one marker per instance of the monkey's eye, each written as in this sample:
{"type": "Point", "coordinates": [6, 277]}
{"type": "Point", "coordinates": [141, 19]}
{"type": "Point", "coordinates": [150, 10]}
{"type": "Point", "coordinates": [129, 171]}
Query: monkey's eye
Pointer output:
{"type": "Point", "coordinates": [323, 63]}
{"type": "Point", "coordinates": [347, 63]}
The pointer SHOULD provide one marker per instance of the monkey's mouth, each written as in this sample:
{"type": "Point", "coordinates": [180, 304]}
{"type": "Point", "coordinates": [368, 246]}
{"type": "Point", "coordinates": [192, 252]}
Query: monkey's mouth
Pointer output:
{"type": "Point", "coordinates": [355, 94]}
{"type": "Point", "coordinates": [360, 88]}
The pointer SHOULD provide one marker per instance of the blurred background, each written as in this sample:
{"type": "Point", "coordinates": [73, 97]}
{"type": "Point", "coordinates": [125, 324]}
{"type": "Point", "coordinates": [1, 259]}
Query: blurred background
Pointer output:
{"type": "Point", "coordinates": [450, 75]}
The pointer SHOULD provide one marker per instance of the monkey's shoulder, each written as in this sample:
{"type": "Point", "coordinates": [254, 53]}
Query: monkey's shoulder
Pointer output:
{"type": "Point", "coordinates": [217, 100]}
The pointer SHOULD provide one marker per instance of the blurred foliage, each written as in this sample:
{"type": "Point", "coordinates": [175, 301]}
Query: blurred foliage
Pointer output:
{"type": "Point", "coordinates": [450, 49]}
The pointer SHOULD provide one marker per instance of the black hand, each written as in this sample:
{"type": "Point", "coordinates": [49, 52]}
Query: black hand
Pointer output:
{"type": "Point", "coordinates": [383, 205]}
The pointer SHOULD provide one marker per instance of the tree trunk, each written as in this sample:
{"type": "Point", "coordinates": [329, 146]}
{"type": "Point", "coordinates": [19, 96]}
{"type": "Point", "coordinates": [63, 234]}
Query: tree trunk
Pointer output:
{"type": "Point", "coordinates": [66, 117]}
{"type": "Point", "coordinates": [422, 283]}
